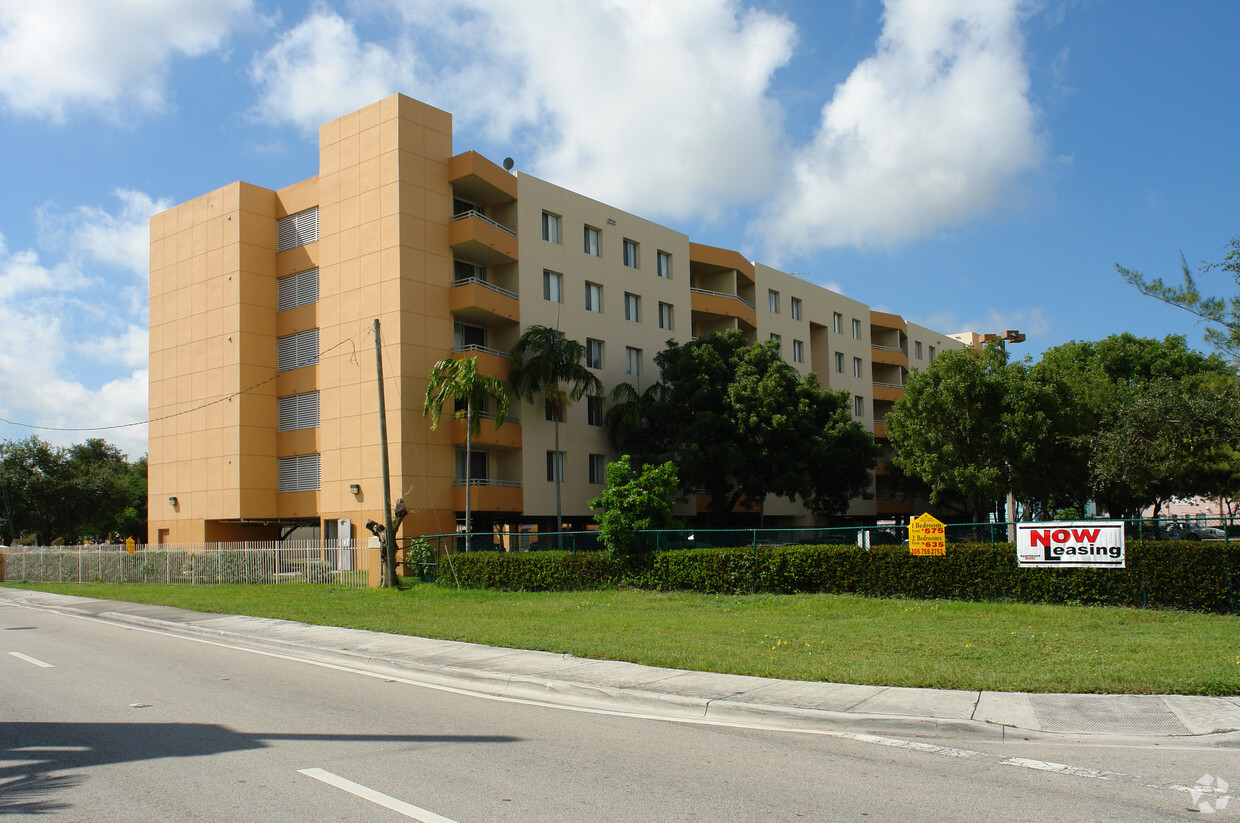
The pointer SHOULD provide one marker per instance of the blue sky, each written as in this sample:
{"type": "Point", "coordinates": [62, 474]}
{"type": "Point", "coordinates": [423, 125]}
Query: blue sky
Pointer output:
{"type": "Point", "coordinates": [971, 164]}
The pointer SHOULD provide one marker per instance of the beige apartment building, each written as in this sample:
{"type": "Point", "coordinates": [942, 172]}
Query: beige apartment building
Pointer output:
{"type": "Point", "coordinates": [263, 392]}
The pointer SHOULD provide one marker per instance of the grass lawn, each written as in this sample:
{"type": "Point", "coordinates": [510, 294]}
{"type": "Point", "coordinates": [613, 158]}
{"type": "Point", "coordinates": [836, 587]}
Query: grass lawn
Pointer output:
{"type": "Point", "coordinates": [938, 644]}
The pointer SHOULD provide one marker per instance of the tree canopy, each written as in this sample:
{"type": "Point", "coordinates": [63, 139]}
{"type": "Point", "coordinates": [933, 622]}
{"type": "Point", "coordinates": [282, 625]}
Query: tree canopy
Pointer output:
{"type": "Point", "coordinates": [741, 423]}
{"type": "Point", "coordinates": [85, 492]}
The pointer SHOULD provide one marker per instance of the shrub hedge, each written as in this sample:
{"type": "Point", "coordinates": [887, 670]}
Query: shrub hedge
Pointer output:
{"type": "Point", "coordinates": [1198, 576]}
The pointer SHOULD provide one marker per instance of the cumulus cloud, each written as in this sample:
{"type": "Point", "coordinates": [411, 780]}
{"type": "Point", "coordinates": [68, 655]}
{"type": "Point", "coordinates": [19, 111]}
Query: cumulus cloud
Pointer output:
{"type": "Point", "coordinates": [69, 326]}
{"type": "Point", "coordinates": [926, 133]}
{"type": "Point", "coordinates": [592, 91]}
{"type": "Point", "coordinates": [321, 69]}
{"type": "Point", "coordinates": [59, 55]}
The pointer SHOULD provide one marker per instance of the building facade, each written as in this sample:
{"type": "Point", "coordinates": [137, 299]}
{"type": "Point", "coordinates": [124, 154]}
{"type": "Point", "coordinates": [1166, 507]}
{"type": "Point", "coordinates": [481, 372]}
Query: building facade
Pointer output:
{"type": "Point", "coordinates": [263, 392]}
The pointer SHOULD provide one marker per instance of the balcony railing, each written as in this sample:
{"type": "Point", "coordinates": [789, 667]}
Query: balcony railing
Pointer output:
{"type": "Point", "coordinates": [722, 294]}
{"type": "Point", "coordinates": [484, 219]}
{"type": "Point", "coordinates": [486, 481]}
{"type": "Point", "coordinates": [889, 385]}
{"type": "Point", "coordinates": [474, 347]}
{"type": "Point", "coordinates": [478, 281]}
{"type": "Point", "coordinates": [888, 348]}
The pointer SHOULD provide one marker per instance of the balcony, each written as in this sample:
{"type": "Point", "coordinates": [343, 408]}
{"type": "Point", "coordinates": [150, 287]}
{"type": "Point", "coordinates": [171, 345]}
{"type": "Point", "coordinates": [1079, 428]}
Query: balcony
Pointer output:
{"type": "Point", "coordinates": [488, 495]}
{"type": "Point", "coordinates": [491, 362]}
{"type": "Point", "coordinates": [474, 236]}
{"type": "Point", "coordinates": [507, 436]}
{"type": "Point", "coordinates": [880, 428]}
{"type": "Point", "coordinates": [474, 300]}
{"type": "Point", "coordinates": [478, 180]}
{"type": "Point", "coordinates": [889, 355]}
{"type": "Point", "coordinates": [887, 391]}
{"type": "Point", "coordinates": [723, 304]}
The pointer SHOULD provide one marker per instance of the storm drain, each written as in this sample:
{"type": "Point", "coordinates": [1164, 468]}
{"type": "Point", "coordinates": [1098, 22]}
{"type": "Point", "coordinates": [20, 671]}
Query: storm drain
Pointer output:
{"type": "Point", "coordinates": [1106, 714]}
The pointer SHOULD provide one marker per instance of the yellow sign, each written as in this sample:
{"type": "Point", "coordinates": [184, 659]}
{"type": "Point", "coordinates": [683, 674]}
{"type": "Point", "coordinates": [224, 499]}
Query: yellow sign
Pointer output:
{"type": "Point", "coordinates": [926, 536]}
{"type": "Point", "coordinates": [129, 544]}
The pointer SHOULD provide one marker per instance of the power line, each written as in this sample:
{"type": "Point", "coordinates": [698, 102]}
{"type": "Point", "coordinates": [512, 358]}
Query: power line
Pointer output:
{"type": "Point", "coordinates": [352, 357]}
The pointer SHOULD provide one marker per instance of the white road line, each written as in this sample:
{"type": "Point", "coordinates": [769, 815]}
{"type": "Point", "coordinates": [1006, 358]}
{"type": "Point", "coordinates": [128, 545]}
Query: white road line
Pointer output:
{"type": "Point", "coordinates": [33, 660]}
{"type": "Point", "coordinates": [379, 798]}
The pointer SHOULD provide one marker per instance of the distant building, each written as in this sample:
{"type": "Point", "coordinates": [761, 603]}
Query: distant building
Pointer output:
{"type": "Point", "coordinates": [263, 397]}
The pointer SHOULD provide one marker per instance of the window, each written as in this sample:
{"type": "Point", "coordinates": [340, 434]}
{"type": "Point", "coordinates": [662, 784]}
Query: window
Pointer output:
{"type": "Point", "coordinates": [594, 297]}
{"type": "Point", "coordinates": [297, 350]}
{"type": "Point", "coordinates": [665, 265]}
{"type": "Point", "coordinates": [460, 207]}
{"type": "Point", "coordinates": [772, 300]}
{"type": "Point", "coordinates": [839, 362]}
{"type": "Point", "coordinates": [633, 358]}
{"type": "Point", "coordinates": [466, 337]}
{"type": "Point", "coordinates": [592, 241]}
{"type": "Point", "coordinates": [837, 322]}
{"type": "Point", "coordinates": [299, 289]}
{"type": "Point", "coordinates": [794, 304]}
{"type": "Point", "coordinates": [298, 411]}
{"type": "Point", "coordinates": [917, 349]}
{"type": "Point", "coordinates": [594, 410]}
{"type": "Point", "coordinates": [798, 351]}
{"type": "Point", "coordinates": [594, 353]}
{"type": "Point", "coordinates": [858, 405]}
{"type": "Point", "coordinates": [856, 367]}
{"type": "Point", "coordinates": [665, 316]}
{"type": "Point", "coordinates": [856, 327]}
{"type": "Point", "coordinates": [555, 467]}
{"type": "Point", "coordinates": [779, 342]}
{"type": "Point", "coordinates": [297, 229]}
{"type": "Point", "coordinates": [297, 474]}
{"type": "Point", "coordinates": [598, 469]}
{"type": "Point", "coordinates": [477, 465]}
{"type": "Point", "coordinates": [551, 287]}
{"type": "Point", "coordinates": [932, 352]}
{"type": "Point", "coordinates": [630, 253]}
{"type": "Point", "coordinates": [632, 307]}
{"type": "Point", "coordinates": [551, 227]}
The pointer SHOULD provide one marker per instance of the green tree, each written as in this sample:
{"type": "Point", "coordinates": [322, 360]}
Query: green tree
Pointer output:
{"type": "Point", "coordinates": [1222, 312]}
{"type": "Point", "coordinates": [460, 382]}
{"type": "Point", "coordinates": [547, 364]}
{"type": "Point", "coordinates": [741, 423]}
{"type": "Point", "coordinates": [634, 501]}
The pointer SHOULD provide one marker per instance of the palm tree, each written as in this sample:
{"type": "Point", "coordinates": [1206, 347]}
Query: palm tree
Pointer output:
{"type": "Point", "coordinates": [459, 381]}
{"type": "Point", "coordinates": [546, 363]}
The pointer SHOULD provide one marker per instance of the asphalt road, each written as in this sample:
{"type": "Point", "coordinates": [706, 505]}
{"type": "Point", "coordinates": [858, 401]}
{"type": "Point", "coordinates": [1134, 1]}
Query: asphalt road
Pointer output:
{"type": "Point", "coordinates": [103, 722]}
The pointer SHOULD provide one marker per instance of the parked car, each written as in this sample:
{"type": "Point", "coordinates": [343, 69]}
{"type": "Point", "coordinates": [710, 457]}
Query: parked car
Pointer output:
{"type": "Point", "coordinates": [1189, 531]}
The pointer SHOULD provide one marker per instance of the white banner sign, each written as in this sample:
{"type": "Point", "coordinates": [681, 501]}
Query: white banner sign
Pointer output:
{"type": "Point", "coordinates": [1089, 544]}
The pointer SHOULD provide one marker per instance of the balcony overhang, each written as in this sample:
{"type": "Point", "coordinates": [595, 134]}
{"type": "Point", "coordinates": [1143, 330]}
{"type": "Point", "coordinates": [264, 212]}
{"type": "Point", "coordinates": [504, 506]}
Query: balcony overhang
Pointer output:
{"type": "Point", "coordinates": [478, 180]}
{"type": "Point", "coordinates": [507, 436]}
{"type": "Point", "coordinates": [884, 320]}
{"type": "Point", "coordinates": [485, 497]}
{"type": "Point", "coordinates": [481, 240]}
{"type": "Point", "coordinates": [890, 393]}
{"type": "Point", "coordinates": [476, 301]}
{"type": "Point", "coordinates": [720, 304]}
{"type": "Point", "coordinates": [491, 362]}
{"type": "Point", "coordinates": [719, 259]}
{"type": "Point", "coordinates": [889, 356]}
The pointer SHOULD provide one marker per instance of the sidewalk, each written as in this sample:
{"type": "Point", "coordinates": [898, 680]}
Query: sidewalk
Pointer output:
{"type": "Point", "coordinates": [676, 694]}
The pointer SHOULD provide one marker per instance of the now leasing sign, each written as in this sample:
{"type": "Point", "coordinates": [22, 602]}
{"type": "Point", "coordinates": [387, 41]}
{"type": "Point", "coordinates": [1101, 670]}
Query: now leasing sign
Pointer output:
{"type": "Point", "coordinates": [1079, 545]}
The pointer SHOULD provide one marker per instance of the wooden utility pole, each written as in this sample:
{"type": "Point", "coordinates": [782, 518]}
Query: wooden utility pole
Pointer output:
{"type": "Point", "coordinates": [389, 537]}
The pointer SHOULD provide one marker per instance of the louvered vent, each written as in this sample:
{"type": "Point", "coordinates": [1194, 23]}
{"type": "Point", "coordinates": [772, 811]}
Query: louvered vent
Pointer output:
{"type": "Point", "coordinates": [299, 474]}
{"type": "Point", "coordinates": [299, 289]}
{"type": "Point", "coordinates": [297, 350]}
{"type": "Point", "coordinates": [297, 229]}
{"type": "Point", "coordinates": [299, 411]}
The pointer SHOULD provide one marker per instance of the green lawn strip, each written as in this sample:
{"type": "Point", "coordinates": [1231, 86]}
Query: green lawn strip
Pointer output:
{"type": "Point", "coordinates": [937, 644]}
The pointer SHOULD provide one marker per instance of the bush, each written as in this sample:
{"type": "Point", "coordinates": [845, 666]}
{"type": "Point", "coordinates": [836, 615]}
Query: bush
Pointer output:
{"type": "Point", "coordinates": [1199, 576]}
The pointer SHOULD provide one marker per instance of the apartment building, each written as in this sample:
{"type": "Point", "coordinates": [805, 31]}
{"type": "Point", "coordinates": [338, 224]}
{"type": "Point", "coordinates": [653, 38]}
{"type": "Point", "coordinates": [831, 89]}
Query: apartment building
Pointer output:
{"type": "Point", "coordinates": [263, 392]}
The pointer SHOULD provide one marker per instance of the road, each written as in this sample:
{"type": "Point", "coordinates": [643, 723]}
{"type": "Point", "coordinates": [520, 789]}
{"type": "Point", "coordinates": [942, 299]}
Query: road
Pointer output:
{"type": "Point", "coordinates": [104, 722]}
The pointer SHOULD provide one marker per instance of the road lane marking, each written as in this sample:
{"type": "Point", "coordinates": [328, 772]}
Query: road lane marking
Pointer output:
{"type": "Point", "coordinates": [378, 798]}
{"type": "Point", "coordinates": [33, 660]}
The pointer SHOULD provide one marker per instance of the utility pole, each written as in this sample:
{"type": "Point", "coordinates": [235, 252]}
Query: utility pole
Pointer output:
{"type": "Point", "coordinates": [389, 539]}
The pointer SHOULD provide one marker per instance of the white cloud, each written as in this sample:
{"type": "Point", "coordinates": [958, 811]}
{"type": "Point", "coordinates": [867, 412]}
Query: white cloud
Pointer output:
{"type": "Point", "coordinates": [320, 70]}
{"type": "Point", "coordinates": [1032, 322]}
{"type": "Point", "coordinates": [926, 133]}
{"type": "Point", "coordinates": [71, 354]}
{"type": "Point", "coordinates": [59, 55]}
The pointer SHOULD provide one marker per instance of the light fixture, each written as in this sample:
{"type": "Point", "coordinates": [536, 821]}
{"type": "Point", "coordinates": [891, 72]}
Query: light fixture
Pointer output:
{"type": "Point", "coordinates": [354, 488]}
{"type": "Point", "coordinates": [172, 501]}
